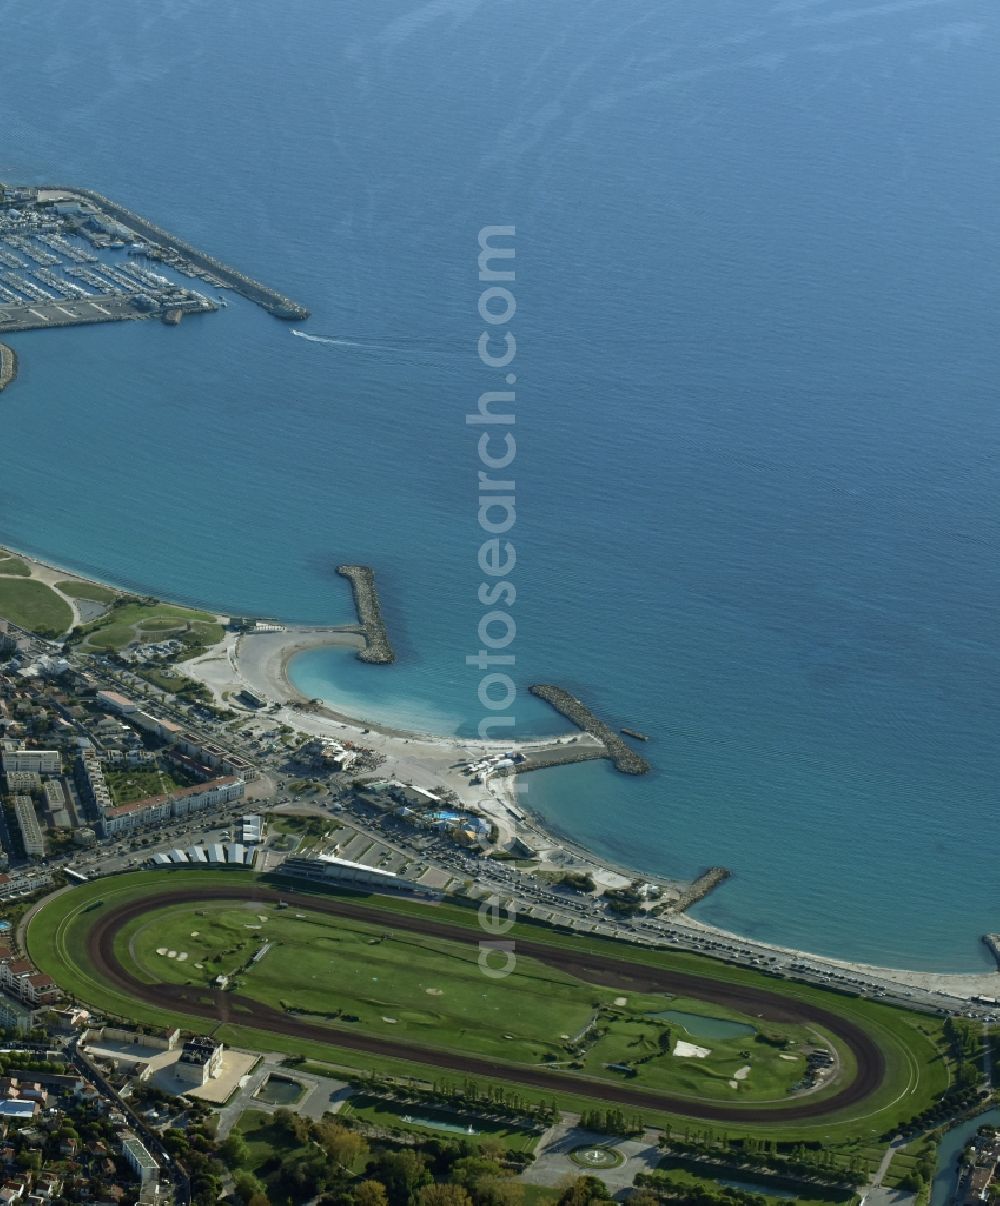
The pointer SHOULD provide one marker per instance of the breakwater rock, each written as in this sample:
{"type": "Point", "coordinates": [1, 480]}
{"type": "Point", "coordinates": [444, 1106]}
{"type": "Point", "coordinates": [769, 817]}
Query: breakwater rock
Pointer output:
{"type": "Point", "coordinates": [698, 889]}
{"type": "Point", "coordinates": [8, 366]}
{"type": "Point", "coordinates": [377, 647]}
{"type": "Point", "coordinates": [992, 942]}
{"type": "Point", "coordinates": [621, 754]}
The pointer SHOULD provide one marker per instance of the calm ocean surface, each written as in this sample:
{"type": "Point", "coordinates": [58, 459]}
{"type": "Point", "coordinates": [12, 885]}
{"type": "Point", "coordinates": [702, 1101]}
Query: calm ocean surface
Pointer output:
{"type": "Point", "coordinates": [758, 468]}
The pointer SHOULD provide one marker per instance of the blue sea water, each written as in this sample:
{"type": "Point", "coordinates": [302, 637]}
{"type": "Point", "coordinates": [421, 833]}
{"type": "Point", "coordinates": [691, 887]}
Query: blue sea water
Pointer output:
{"type": "Point", "coordinates": [757, 421]}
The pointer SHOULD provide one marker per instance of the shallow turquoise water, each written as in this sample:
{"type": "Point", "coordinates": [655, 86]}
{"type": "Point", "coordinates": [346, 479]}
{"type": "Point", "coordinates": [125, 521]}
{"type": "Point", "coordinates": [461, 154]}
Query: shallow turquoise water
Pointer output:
{"type": "Point", "coordinates": [757, 420]}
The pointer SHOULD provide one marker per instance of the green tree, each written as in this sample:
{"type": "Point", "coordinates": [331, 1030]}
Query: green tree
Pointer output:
{"type": "Point", "coordinates": [582, 1191]}
{"type": "Point", "coordinates": [443, 1195]}
{"type": "Point", "coordinates": [371, 1193]}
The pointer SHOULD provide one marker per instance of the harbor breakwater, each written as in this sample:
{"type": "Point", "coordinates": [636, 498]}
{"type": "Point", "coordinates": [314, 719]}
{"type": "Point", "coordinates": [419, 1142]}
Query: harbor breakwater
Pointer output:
{"type": "Point", "coordinates": [698, 889]}
{"type": "Point", "coordinates": [378, 649]}
{"type": "Point", "coordinates": [269, 299]}
{"type": "Point", "coordinates": [625, 758]}
{"type": "Point", "coordinates": [8, 366]}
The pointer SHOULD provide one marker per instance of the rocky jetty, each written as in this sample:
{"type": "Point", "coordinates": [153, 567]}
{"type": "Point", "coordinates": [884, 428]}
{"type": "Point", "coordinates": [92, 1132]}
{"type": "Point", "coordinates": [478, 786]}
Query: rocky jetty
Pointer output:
{"type": "Point", "coordinates": [992, 942]}
{"type": "Point", "coordinates": [377, 647]}
{"type": "Point", "coordinates": [8, 366]}
{"type": "Point", "coordinates": [621, 754]}
{"type": "Point", "coordinates": [699, 888]}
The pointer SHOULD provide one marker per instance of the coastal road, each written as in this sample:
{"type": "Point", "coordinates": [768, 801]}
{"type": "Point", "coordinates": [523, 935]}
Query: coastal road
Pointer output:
{"type": "Point", "coordinates": [227, 1007]}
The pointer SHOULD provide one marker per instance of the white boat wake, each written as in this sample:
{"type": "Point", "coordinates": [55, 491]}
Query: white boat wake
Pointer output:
{"type": "Point", "coordinates": [338, 343]}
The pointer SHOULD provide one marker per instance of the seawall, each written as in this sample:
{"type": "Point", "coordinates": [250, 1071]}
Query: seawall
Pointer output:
{"type": "Point", "coordinates": [8, 366]}
{"type": "Point", "coordinates": [377, 647]}
{"type": "Point", "coordinates": [621, 754]}
{"type": "Point", "coordinates": [272, 301]}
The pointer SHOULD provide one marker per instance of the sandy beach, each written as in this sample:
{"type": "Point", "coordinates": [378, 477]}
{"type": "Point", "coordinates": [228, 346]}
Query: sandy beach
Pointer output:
{"type": "Point", "coordinates": [259, 661]}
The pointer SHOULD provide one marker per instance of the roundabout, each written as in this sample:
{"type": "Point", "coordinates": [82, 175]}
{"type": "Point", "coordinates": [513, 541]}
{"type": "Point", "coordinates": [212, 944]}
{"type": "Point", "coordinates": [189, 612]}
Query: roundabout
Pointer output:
{"type": "Point", "coordinates": [598, 1157]}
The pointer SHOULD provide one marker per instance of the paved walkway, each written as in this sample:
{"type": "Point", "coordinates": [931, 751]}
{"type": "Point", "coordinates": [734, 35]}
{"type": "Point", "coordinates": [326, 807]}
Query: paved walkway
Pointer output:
{"type": "Point", "coordinates": [323, 1095]}
{"type": "Point", "coordinates": [553, 1165]}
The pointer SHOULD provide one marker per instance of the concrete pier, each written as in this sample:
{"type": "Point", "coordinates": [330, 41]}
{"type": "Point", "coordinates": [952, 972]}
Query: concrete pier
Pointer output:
{"type": "Point", "coordinates": [621, 754]}
{"type": "Point", "coordinates": [377, 648]}
{"type": "Point", "coordinates": [8, 366]}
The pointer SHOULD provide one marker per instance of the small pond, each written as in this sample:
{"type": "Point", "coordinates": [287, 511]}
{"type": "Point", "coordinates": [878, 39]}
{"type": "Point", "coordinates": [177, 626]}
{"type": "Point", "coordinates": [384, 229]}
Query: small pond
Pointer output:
{"type": "Point", "coordinates": [438, 1124]}
{"type": "Point", "coordinates": [706, 1027]}
{"type": "Point", "coordinates": [276, 1090]}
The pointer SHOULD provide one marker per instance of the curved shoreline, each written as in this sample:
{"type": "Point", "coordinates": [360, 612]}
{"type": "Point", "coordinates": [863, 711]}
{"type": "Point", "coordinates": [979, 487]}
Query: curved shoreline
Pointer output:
{"type": "Point", "coordinates": [8, 366]}
{"type": "Point", "coordinates": [502, 800]}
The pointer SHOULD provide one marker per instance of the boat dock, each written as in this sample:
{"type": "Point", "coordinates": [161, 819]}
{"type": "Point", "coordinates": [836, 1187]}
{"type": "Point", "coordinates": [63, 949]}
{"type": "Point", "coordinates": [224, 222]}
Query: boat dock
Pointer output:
{"type": "Point", "coordinates": [161, 244]}
{"type": "Point", "coordinates": [378, 649]}
{"type": "Point", "coordinates": [621, 754]}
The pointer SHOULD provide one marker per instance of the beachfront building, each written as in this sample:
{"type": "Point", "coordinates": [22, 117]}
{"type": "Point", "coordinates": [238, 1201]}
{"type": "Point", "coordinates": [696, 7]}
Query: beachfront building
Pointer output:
{"type": "Point", "coordinates": [27, 823]}
{"type": "Point", "coordinates": [154, 810]}
{"type": "Point", "coordinates": [16, 1015]}
{"type": "Point", "coordinates": [42, 762]}
{"type": "Point", "coordinates": [113, 702]}
{"type": "Point", "coordinates": [139, 1159]}
{"type": "Point", "coordinates": [23, 782]}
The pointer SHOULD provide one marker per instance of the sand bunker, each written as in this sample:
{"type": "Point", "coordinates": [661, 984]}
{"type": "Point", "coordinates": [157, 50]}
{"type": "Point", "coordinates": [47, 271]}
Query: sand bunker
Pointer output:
{"type": "Point", "coordinates": [161, 950]}
{"type": "Point", "coordinates": [691, 1050]}
{"type": "Point", "coordinates": [195, 933]}
{"type": "Point", "coordinates": [391, 1021]}
{"type": "Point", "coordinates": [171, 954]}
{"type": "Point", "coordinates": [434, 992]}
{"type": "Point", "coordinates": [199, 966]}
{"type": "Point", "coordinates": [181, 956]}
{"type": "Point", "coordinates": [742, 1074]}
{"type": "Point", "coordinates": [791, 1057]}
{"type": "Point", "coordinates": [621, 1000]}
{"type": "Point", "coordinates": [251, 926]}
{"type": "Point", "coordinates": [734, 1084]}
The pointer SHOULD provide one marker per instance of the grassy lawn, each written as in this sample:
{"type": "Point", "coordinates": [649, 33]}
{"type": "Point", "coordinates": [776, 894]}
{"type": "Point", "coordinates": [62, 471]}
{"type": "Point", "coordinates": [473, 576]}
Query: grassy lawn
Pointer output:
{"type": "Point", "coordinates": [34, 606]}
{"type": "Point", "coordinates": [330, 963]}
{"type": "Point", "coordinates": [390, 1116]}
{"type": "Point", "coordinates": [128, 786]}
{"type": "Point", "coordinates": [87, 590]}
{"type": "Point", "coordinates": [151, 622]}
{"type": "Point", "coordinates": [267, 1143]}
{"type": "Point", "coordinates": [14, 566]}
{"type": "Point", "coordinates": [679, 1179]}
{"type": "Point", "coordinates": [176, 684]}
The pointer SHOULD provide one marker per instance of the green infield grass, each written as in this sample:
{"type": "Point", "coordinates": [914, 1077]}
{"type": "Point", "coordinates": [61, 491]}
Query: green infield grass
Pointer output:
{"type": "Point", "coordinates": [429, 992]}
{"type": "Point", "coordinates": [34, 606]}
